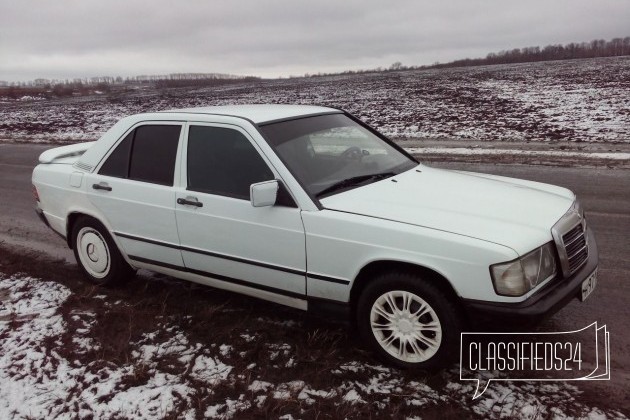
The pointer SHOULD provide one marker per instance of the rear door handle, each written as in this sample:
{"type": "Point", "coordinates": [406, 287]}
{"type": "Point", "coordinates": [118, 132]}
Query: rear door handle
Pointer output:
{"type": "Point", "coordinates": [190, 201]}
{"type": "Point", "coordinates": [102, 186]}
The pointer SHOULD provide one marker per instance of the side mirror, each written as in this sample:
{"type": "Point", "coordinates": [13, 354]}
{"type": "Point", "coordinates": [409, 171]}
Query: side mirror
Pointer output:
{"type": "Point", "coordinates": [264, 194]}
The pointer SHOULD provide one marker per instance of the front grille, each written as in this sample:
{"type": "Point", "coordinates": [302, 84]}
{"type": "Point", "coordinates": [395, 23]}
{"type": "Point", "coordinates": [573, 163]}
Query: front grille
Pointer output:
{"type": "Point", "coordinates": [575, 246]}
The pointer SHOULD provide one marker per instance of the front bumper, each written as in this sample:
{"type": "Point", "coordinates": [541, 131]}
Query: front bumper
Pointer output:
{"type": "Point", "coordinates": [542, 304]}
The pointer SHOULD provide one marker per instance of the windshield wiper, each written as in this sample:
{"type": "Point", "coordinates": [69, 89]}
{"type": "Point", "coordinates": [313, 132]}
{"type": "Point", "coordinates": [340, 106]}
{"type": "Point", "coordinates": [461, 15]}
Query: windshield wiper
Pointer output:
{"type": "Point", "coordinates": [355, 180]}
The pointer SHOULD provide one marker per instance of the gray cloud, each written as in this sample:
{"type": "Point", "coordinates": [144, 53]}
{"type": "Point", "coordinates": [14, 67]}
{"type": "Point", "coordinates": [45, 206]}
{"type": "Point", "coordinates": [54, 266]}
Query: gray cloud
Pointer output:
{"type": "Point", "coordinates": [75, 38]}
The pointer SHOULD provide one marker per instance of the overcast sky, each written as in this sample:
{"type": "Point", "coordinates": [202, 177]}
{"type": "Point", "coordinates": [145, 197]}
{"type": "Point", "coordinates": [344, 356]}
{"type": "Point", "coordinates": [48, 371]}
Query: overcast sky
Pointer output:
{"type": "Point", "coordinates": [79, 38]}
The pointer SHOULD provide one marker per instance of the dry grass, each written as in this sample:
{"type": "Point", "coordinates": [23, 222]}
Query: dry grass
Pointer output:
{"type": "Point", "coordinates": [207, 316]}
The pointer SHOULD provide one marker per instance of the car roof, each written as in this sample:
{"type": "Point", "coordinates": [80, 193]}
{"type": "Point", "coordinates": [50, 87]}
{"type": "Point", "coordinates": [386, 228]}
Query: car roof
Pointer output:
{"type": "Point", "coordinates": [259, 113]}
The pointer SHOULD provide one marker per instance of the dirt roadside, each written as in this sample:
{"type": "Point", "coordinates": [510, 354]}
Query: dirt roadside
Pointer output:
{"type": "Point", "coordinates": [556, 154]}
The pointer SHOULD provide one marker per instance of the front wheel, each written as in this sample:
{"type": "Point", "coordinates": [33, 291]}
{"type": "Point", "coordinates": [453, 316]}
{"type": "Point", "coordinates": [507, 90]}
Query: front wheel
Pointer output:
{"type": "Point", "coordinates": [408, 322]}
{"type": "Point", "coordinates": [97, 254]}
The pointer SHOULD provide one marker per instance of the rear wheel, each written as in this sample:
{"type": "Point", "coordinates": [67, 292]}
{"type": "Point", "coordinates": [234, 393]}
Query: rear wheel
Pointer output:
{"type": "Point", "coordinates": [408, 322]}
{"type": "Point", "coordinates": [97, 254]}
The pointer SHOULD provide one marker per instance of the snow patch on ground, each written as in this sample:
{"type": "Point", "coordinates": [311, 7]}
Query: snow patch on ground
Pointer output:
{"type": "Point", "coordinates": [37, 381]}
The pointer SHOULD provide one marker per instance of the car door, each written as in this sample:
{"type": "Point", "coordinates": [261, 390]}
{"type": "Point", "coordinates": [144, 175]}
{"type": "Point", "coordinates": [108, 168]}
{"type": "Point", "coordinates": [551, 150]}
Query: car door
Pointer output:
{"type": "Point", "coordinates": [133, 190]}
{"type": "Point", "coordinates": [222, 235]}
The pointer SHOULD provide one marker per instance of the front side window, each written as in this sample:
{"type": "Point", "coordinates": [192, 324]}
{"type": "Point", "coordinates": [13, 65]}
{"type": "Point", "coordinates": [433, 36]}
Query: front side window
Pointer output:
{"type": "Point", "coordinates": [146, 154]}
{"type": "Point", "coordinates": [222, 161]}
{"type": "Point", "coordinates": [332, 153]}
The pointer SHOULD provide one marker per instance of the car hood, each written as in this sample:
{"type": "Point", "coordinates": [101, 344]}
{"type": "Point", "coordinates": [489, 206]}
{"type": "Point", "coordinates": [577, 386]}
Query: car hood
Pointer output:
{"type": "Point", "coordinates": [511, 212]}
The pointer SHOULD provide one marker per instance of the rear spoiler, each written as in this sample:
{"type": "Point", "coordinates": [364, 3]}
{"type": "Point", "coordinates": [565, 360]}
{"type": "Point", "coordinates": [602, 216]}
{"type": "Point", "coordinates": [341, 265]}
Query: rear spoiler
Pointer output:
{"type": "Point", "coordinates": [65, 154]}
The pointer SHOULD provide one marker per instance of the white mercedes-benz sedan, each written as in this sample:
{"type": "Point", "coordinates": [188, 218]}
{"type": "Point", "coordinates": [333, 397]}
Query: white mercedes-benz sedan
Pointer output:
{"type": "Point", "coordinates": [309, 207]}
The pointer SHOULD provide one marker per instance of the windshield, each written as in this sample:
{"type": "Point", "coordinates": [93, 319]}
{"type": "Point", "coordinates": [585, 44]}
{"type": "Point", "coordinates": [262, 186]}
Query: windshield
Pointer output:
{"type": "Point", "coordinates": [332, 153]}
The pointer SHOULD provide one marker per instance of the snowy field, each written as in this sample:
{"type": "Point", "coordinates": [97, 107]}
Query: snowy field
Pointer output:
{"type": "Point", "coordinates": [569, 101]}
{"type": "Point", "coordinates": [98, 353]}
{"type": "Point", "coordinates": [161, 348]}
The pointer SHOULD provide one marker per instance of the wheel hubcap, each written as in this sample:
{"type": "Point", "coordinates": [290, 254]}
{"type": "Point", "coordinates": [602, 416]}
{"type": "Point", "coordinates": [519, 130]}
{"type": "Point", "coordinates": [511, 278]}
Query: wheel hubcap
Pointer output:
{"type": "Point", "coordinates": [406, 326]}
{"type": "Point", "coordinates": [93, 252]}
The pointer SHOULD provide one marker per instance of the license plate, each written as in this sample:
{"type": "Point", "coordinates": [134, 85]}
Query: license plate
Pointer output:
{"type": "Point", "coordinates": [588, 285]}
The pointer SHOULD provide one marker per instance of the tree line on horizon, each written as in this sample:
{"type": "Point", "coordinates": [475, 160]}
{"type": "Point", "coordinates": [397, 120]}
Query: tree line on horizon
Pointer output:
{"type": "Point", "coordinates": [161, 80]}
{"type": "Point", "coordinates": [46, 88]}
{"type": "Point", "coordinates": [574, 50]}
{"type": "Point", "coordinates": [596, 48]}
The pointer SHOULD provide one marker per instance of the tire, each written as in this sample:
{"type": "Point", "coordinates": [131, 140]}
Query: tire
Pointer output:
{"type": "Point", "coordinates": [97, 255]}
{"type": "Point", "coordinates": [422, 333]}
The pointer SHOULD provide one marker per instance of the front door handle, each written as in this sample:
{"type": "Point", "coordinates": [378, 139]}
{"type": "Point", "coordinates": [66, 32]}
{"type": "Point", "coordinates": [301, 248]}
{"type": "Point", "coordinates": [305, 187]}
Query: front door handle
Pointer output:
{"type": "Point", "coordinates": [102, 186]}
{"type": "Point", "coordinates": [190, 201]}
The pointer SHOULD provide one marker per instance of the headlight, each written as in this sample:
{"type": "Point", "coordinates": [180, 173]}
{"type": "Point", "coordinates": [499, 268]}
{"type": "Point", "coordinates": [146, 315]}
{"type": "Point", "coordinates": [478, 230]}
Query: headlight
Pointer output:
{"type": "Point", "coordinates": [515, 278]}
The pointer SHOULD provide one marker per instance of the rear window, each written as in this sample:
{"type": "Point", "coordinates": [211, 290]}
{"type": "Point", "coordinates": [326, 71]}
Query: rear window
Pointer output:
{"type": "Point", "coordinates": [146, 154]}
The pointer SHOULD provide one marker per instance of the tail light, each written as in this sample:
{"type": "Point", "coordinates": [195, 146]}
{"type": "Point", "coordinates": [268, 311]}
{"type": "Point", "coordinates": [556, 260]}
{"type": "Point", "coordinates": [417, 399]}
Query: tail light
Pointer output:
{"type": "Point", "coordinates": [35, 193]}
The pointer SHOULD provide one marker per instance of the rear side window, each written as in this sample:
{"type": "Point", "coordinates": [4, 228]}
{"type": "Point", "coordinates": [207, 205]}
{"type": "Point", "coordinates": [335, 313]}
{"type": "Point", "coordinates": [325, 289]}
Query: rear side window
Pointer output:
{"type": "Point", "coordinates": [153, 153]}
{"type": "Point", "coordinates": [146, 154]}
{"type": "Point", "coordinates": [222, 161]}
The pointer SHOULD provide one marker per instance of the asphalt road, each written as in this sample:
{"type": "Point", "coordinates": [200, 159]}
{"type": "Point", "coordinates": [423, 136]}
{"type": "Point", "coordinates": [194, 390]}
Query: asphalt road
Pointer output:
{"type": "Point", "coordinates": [605, 194]}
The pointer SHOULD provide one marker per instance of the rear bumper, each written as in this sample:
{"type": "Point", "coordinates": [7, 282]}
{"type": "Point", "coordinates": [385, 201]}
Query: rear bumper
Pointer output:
{"type": "Point", "coordinates": [544, 303]}
{"type": "Point", "coordinates": [42, 216]}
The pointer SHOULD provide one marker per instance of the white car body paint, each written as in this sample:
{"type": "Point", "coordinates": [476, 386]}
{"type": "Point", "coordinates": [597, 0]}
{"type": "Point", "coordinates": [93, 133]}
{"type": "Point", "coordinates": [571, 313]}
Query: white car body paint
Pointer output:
{"type": "Point", "coordinates": [454, 223]}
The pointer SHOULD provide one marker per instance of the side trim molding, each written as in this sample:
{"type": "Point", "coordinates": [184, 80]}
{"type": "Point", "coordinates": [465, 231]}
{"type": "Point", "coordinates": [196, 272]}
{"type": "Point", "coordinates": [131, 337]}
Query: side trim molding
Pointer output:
{"type": "Point", "coordinates": [232, 258]}
{"type": "Point", "coordinates": [218, 277]}
{"type": "Point", "coordinates": [326, 278]}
